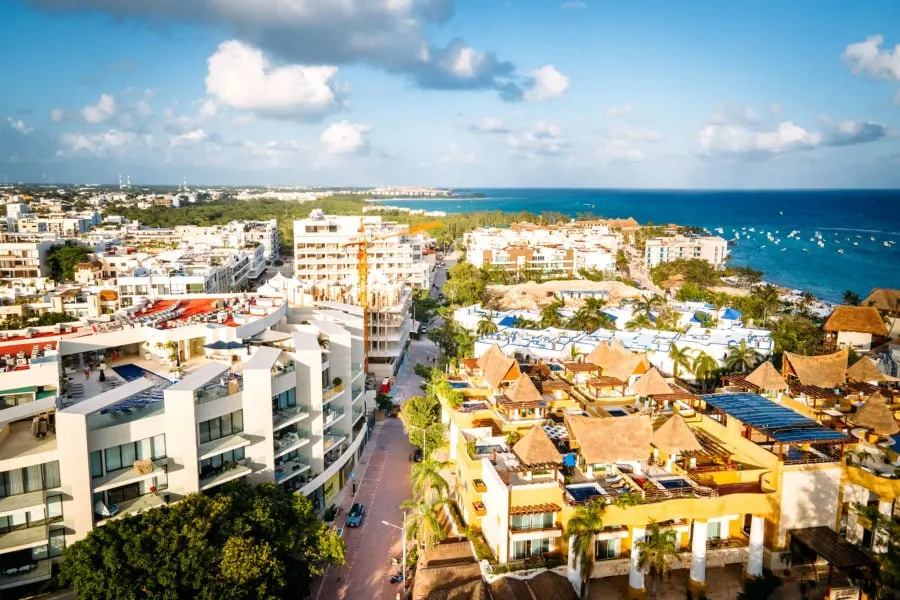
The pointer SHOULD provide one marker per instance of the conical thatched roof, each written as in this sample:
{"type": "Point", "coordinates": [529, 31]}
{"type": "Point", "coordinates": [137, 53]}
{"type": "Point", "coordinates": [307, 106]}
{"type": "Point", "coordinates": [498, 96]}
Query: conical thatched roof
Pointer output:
{"type": "Point", "coordinates": [827, 370]}
{"type": "Point", "coordinates": [651, 383]}
{"type": "Point", "coordinates": [676, 436]}
{"type": "Point", "coordinates": [492, 353]}
{"type": "Point", "coordinates": [598, 355]}
{"type": "Point", "coordinates": [536, 449]}
{"type": "Point", "coordinates": [611, 439]}
{"type": "Point", "coordinates": [884, 299]}
{"type": "Point", "coordinates": [523, 390]}
{"type": "Point", "coordinates": [865, 370]}
{"type": "Point", "coordinates": [860, 319]}
{"type": "Point", "coordinates": [497, 368]}
{"type": "Point", "coordinates": [623, 363]}
{"type": "Point", "coordinates": [767, 377]}
{"type": "Point", "coordinates": [876, 415]}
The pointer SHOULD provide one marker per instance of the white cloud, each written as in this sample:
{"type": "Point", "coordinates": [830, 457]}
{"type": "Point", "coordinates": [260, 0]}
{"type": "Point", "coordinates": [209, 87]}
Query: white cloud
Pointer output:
{"type": "Point", "coordinates": [457, 155]}
{"type": "Point", "coordinates": [733, 113]}
{"type": "Point", "coordinates": [345, 137]}
{"type": "Point", "coordinates": [638, 135]}
{"type": "Point", "coordinates": [490, 125]}
{"type": "Point", "coordinates": [19, 125]}
{"type": "Point", "coordinates": [57, 115]}
{"type": "Point", "coordinates": [191, 138]}
{"type": "Point", "coordinates": [617, 150]}
{"type": "Point", "coordinates": [208, 110]}
{"type": "Point", "coordinates": [544, 139]}
{"type": "Point", "coordinates": [96, 144]}
{"type": "Point", "coordinates": [622, 111]}
{"type": "Point", "coordinates": [241, 77]}
{"type": "Point", "coordinates": [867, 58]}
{"type": "Point", "coordinates": [774, 108]}
{"type": "Point", "coordinates": [545, 83]}
{"type": "Point", "coordinates": [104, 110]}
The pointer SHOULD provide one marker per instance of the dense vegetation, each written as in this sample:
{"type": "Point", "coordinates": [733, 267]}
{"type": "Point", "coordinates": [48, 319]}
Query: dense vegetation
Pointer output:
{"type": "Point", "coordinates": [63, 258]}
{"type": "Point", "coordinates": [11, 322]}
{"type": "Point", "coordinates": [245, 543]}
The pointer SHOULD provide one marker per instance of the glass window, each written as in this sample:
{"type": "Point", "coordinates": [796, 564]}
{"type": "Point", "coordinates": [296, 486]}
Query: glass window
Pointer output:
{"type": "Point", "coordinates": [238, 454]}
{"type": "Point", "coordinates": [159, 446]}
{"type": "Point", "coordinates": [54, 507]}
{"type": "Point", "coordinates": [604, 549]}
{"type": "Point", "coordinates": [40, 553]}
{"type": "Point", "coordinates": [128, 454]}
{"type": "Point", "coordinates": [226, 425]}
{"type": "Point", "coordinates": [714, 530]}
{"type": "Point", "coordinates": [51, 475]}
{"type": "Point", "coordinates": [96, 463]}
{"type": "Point", "coordinates": [15, 483]}
{"type": "Point", "coordinates": [237, 421]}
{"type": "Point", "coordinates": [215, 429]}
{"type": "Point", "coordinates": [145, 449]}
{"type": "Point", "coordinates": [34, 480]}
{"type": "Point", "coordinates": [113, 459]}
{"type": "Point", "coordinates": [57, 542]}
{"type": "Point", "coordinates": [204, 432]}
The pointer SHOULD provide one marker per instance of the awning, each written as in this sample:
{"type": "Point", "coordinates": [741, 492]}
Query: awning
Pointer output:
{"type": "Point", "coordinates": [507, 321]}
{"type": "Point", "coordinates": [221, 345]}
{"type": "Point", "coordinates": [838, 552]}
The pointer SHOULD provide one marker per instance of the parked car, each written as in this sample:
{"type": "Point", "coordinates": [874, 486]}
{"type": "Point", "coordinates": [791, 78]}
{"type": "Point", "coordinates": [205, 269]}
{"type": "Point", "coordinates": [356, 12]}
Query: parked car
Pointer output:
{"type": "Point", "coordinates": [417, 455]}
{"type": "Point", "coordinates": [355, 517]}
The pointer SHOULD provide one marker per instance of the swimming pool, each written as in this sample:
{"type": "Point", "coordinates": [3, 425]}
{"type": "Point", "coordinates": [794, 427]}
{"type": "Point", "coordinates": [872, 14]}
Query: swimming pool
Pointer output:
{"type": "Point", "coordinates": [584, 493]}
{"type": "Point", "coordinates": [674, 484]}
{"type": "Point", "coordinates": [459, 385]}
{"type": "Point", "coordinates": [616, 412]}
{"type": "Point", "coordinates": [154, 394]}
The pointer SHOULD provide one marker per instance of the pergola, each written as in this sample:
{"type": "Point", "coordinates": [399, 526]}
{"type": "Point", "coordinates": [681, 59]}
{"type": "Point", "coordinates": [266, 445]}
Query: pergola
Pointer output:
{"type": "Point", "coordinates": [840, 554]}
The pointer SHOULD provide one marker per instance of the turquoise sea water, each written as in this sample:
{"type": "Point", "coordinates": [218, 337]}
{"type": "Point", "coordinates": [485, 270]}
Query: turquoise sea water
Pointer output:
{"type": "Point", "coordinates": [842, 217]}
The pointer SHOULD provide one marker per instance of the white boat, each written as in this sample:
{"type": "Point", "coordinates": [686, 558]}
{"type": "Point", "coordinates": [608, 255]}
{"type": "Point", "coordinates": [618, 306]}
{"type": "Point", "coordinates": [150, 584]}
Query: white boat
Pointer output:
{"type": "Point", "coordinates": [840, 250]}
{"type": "Point", "coordinates": [784, 249]}
{"type": "Point", "coordinates": [856, 243]}
{"type": "Point", "coordinates": [872, 238]}
{"type": "Point", "coordinates": [887, 245]}
{"type": "Point", "coordinates": [805, 250]}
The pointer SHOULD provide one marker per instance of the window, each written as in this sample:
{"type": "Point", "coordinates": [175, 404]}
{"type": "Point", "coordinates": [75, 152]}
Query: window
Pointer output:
{"type": "Point", "coordinates": [528, 548]}
{"type": "Point", "coordinates": [526, 522]}
{"type": "Point", "coordinates": [113, 459]}
{"type": "Point", "coordinates": [54, 508]}
{"type": "Point", "coordinates": [714, 530]}
{"type": "Point", "coordinates": [159, 446]}
{"type": "Point", "coordinates": [221, 426]}
{"type": "Point", "coordinates": [29, 479]}
{"type": "Point", "coordinates": [96, 463]}
{"type": "Point", "coordinates": [123, 457]}
{"type": "Point", "coordinates": [57, 542]}
{"type": "Point", "coordinates": [284, 400]}
{"type": "Point", "coordinates": [211, 467]}
{"type": "Point", "coordinates": [604, 549]}
{"type": "Point", "coordinates": [51, 475]}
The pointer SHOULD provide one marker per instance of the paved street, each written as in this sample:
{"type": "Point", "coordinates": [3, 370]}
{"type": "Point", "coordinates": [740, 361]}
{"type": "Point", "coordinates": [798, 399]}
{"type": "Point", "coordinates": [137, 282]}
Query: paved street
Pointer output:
{"type": "Point", "coordinates": [369, 547]}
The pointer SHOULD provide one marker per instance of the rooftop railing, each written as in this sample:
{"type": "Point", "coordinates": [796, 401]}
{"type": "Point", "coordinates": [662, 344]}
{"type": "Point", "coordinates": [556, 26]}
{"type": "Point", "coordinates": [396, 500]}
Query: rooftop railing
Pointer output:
{"type": "Point", "coordinates": [220, 390]}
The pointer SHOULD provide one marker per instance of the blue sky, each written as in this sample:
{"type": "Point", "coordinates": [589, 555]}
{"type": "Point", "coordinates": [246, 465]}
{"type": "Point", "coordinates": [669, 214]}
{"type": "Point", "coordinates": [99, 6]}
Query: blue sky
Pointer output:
{"type": "Point", "coordinates": [699, 94]}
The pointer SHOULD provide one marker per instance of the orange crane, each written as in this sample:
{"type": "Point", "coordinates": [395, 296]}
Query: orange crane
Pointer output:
{"type": "Point", "coordinates": [362, 267]}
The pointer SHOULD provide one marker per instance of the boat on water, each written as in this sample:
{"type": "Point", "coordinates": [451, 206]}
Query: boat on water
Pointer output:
{"type": "Point", "coordinates": [805, 250]}
{"type": "Point", "coordinates": [840, 250]}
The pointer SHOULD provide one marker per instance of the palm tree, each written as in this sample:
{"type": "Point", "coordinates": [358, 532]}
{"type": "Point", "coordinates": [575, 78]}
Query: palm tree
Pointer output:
{"type": "Point", "coordinates": [851, 298]}
{"type": "Point", "coordinates": [719, 301]}
{"type": "Point", "coordinates": [426, 477]}
{"type": "Point", "coordinates": [742, 357]}
{"type": "Point", "coordinates": [640, 321]}
{"type": "Point", "coordinates": [574, 353]}
{"type": "Point", "coordinates": [645, 306]}
{"type": "Point", "coordinates": [594, 305]}
{"type": "Point", "coordinates": [485, 327]}
{"type": "Point", "coordinates": [657, 549]}
{"type": "Point", "coordinates": [806, 298]}
{"type": "Point", "coordinates": [582, 530]}
{"type": "Point", "coordinates": [768, 299]}
{"type": "Point", "coordinates": [425, 517]}
{"type": "Point", "coordinates": [681, 358]}
{"type": "Point", "coordinates": [550, 314]}
{"type": "Point", "coordinates": [583, 320]}
{"type": "Point", "coordinates": [703, 366]}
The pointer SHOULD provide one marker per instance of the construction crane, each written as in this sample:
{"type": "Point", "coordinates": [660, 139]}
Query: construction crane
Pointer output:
{"type": "Point", "coordinates": [362, 267]}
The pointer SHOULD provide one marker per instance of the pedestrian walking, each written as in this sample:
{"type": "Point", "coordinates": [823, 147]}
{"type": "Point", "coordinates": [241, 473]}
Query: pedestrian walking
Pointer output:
{"type": "Point", "coordinates": [87, 373]}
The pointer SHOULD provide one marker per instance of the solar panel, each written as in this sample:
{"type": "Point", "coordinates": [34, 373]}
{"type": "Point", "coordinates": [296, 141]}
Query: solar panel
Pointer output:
{"type": "Point", "coordinates": [778, 422]}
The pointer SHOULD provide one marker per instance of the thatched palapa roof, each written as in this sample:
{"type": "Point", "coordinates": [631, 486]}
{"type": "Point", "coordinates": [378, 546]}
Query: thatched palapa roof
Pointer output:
{"type": "Point", "coordinates": [598, 355]}
{"type": "Point", "coordinates": [611, 439]}
{"type": "Point", "coordinates": [651, 383]}
{"type": "Point", "coordinates": [676, 436]}
{"type": "Point", "coordinates": [876, 415]}
{"type": "Point", "coordinates": [497, 367]}
{"type": "Point", "coordinates": [884, 299]}
{"type": "Point", "coordinates": [859, 319]}
{"type": "Point", "coordinates": [827, 370]}
{"type": "Point", "coordinates": [523, 391]}
{"type": "Point", "coordinates": [623, 363]}
{"type": "Point", "coordinates": [536, 449]}
{"type": "Point", "coordinates": [767, 377]}
{"type": "Point", "coordinates": [865, 371]}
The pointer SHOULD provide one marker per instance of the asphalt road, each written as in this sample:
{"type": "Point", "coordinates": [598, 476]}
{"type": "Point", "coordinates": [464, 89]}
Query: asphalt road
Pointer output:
{"type": "Point", "coordinates": [370, 547]}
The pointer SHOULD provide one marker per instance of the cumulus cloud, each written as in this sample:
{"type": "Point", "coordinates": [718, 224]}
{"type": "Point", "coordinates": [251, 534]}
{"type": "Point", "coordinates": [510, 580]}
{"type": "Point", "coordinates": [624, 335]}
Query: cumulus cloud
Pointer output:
{"type": "Point", "coordinates": [622, 111]}
{"type": "Point", "coordinates": [774, 108]}
{"type": "Point", "coordinates": [491, 125]}
{"type": "Point", "coordinates": [389, 34]}
{"type": "Point", "coordinates": [345, 137]}
{"type": "Point", "coordinates": [545, 83]}
{"type": "Point", "coordinates": [849, 133]}
{"type": "Point", "coordinates": [57, 115]}
{"type": "Point", "coordinates": [867, 58]}
{"type": "Point", "coordinates": [190, 138]}
{"type": "Point", "coordinates": [241, 77]}
{"type": "Point", "coordinates": [734, 113]}
{"type": "Point", "coordinates": [544, 139]}
{"type": "Point", "coordinates": [103, 143]}
{"type": "Point", "coordinates": [103, 110]}
{"type": "Point", "coordinates": [19, 125]}
{"type": "Point", "coordinates": [623, 144]}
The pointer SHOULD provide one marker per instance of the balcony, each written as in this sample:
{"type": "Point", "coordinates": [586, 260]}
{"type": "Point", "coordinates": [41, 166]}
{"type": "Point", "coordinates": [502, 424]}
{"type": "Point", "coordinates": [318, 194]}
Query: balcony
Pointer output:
{"type": "Point", "coordinates": [289, 470]}
{"type": "Point", "coordinates": [330, 393]}
{"type": "Point", "coordinates": [479, 509]}
{"type": "Point", "coordinates": [279, 370]}
{"type": "Point", "coordinates": [225, 473]}
{"type": "Point", "coordinates": [332, 416]}
{"type": "Point", "coordinates": [288, 416]}
{"type": "Point", "coordinates": [221, 390]}
{"type": "Point", "coordinates": [136, 505]}
{"type": "Point", "coordinates": [356, 370]}
{"type": "Point", "coordinates": [23, 539]}
{"type": "Point", "coordinates": [26, 574]}
{"type": "Point", "coordinates": [479, 486]}
{"type": "Point", "coordinates": [290, 442]}
{"type": "Point", "coordinates": [21, 502]}
{"type": "Point", "coordinates": [330, 442]}
{"type": "Point", "coordinates": [229, 442]}
{"type": "Point", "coordinates": [357, 415]}
{"type": "Point", "coordinates": [131, 475]}
{"type": "Point", "coordinates": [357, 393]}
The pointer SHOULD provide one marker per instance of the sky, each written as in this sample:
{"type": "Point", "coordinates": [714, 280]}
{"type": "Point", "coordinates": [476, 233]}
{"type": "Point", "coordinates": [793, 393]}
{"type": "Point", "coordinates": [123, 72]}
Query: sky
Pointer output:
{"type": "Point", "coordinates": [459, 93]}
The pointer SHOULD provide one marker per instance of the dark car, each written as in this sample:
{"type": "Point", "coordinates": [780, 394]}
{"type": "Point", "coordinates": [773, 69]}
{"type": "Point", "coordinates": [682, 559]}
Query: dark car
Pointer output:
{"type": "Point", "coordinates": [355, 517]}
{"type": "Point", "coordinates": [417, 455]}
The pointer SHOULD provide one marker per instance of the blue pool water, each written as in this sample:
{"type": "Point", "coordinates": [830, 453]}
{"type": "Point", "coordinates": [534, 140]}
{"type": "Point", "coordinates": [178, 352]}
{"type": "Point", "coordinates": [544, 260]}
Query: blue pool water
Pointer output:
{"type": "Point", "coordinates": [617, 412]}
{"type": "Point", "coordinates": [459, 384]}
{"type": "Point", "coordinates": [583, 494]}
{"type": "Point", "coordinates": [674, 484]}
{"type": "Point", "coordinates": [153, 394]}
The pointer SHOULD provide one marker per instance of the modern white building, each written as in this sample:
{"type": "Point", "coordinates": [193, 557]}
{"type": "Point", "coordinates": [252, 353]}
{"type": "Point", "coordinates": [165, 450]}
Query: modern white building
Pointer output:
{"type": "Point", "coordinates": [237, 234]}
{"type": "Point", "coordinates": [23, 260]}
{"type": "Point", "coordinates": [712, 249]}
{"type": "Point", "coordinates": [195, 393]}
{"type": "Point", "coordinates": [326, 267]}
{"type": "Point", "coordinates": [553, 250]}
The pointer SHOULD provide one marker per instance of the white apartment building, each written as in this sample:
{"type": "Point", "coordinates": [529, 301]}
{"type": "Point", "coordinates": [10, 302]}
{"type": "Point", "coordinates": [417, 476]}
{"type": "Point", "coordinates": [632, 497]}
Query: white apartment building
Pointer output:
{"type": "Point", "coordinates": [237, 234]}
{"type": "Point", "coordinates": [23, 260]}
{"type": "Point", "coordinates": [61, 224]}
{"type": "Point", "coordinates": [197, 271]}
{"type": "Point", "coordinates": [171, 416]}
{"type": "Point", "coordinates": [559, 250]}
{"type": "Point", "coordinates": [326, 267]}
{"type": "Point", "coordinates": [712, 249]}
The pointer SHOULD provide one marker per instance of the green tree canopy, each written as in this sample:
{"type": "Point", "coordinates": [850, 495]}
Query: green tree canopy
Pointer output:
{"type": "Point", "coordinates": [423, 414]}
{"type": "Point", "coordinates": [63, 258]}
{"type": "Point", "coordinates": [465, 284]}
{"type": "Point", "coordinates": [245, 543]}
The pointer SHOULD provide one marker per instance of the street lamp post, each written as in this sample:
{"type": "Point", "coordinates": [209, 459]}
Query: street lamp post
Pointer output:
{"type": "Point", "coordinates": [403, 536]}
{"type": "Point", "coordinates": [423, 437]}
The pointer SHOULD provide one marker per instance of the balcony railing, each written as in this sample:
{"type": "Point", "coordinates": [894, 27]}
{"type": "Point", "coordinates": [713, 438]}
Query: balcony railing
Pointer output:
{"type": "Point", "coordinates": [331, 415]}
{"type": "Point", "coordinates": [330, 392]}
{"type": "Point", "coordinates": [289, 440]}
{"type": "Point", "coordinates": [285, 416]}
{"type": "Point", "coordinates": [290, 469]}
{"type": "Point", "coordinates": [357, 393]}
{"type": "Point", "coordinates": [332, 441]}
{"type": "Point", "coordinates": [279, 370]}
{"type": "Point", "coordinates": [221, 390]}
{"type": "Point", "coordinates": [225, 473]}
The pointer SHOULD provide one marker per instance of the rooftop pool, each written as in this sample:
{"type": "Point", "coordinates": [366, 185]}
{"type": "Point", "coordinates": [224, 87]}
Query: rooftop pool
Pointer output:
{"type": "Point", "coordinates": [584, 492]}
{"type": "Point", "coordinates": [459, 385]}
{"type": "Point", "coordinates": [150, 395]}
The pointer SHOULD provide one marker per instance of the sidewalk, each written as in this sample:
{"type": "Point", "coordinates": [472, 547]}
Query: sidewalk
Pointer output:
{"type": "Point", "coordinates": [344, 499]}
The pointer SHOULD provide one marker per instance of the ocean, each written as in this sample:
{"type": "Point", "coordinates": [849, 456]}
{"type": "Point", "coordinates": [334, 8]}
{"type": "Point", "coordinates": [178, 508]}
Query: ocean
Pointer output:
{"type": "Point", "coordinates": [845, 219]}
